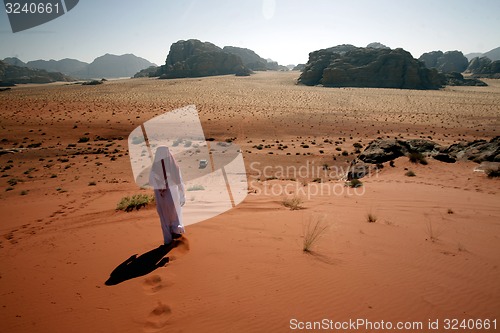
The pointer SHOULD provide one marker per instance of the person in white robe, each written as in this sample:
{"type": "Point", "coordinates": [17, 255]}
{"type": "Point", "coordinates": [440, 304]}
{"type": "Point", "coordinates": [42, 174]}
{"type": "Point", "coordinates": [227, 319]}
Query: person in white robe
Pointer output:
{"type": "Point", "coordinates": [166, 179]}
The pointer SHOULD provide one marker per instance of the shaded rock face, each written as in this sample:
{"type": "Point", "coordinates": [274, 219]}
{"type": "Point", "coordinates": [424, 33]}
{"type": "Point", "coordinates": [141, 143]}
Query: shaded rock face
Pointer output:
{"type": "Point", "coordinates": [151, 71]}
{"type": "Point", "coordinates": [380, 151]}
{"type": "Point", "coordinates": [368, 67]}
{"type": "Point", "coordinates": [484, 67]}
{"type": "Point", "coordinates": [249, 58]}
{"type": "Point", "coordinates": [457, 79]}
{"type": "Point", "coordinates": [451, 61]}
{"type": "Point", "coordinates": [193, 58]}
{"type": "Point", "coordinates": [10, 75]}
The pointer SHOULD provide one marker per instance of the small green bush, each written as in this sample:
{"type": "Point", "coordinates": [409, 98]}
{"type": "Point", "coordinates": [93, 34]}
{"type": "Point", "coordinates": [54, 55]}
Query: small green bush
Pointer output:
{"type": "Point", "coordinates": [410, 173]}
{"type": "Point", "coordinates": [137, 201]}
{"type": "Point", "coordinates": [196, 188]}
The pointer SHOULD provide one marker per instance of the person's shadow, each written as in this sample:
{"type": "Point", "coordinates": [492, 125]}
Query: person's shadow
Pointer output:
{"type": "Point", "coordinates": [136, 266]}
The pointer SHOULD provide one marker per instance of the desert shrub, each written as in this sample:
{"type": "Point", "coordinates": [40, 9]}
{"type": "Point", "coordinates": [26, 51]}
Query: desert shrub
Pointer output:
{"type": "Point", "coordinates": [354, 183]}
{"type": "Point", "coordinates": [416, 157]}
{"type": "Point", "coordinates": [492, 172]}
{"type": "Point", "coordinates": [137, 201]}
{"type": "Point", "coordinates": [196, 188]}
{"type": "Point", "coordinates": [410, 173]}
{"type": "Point", "coordinates": [371, 218]}
{"type": "Point", "coordinates": [294, 203]}
{"type": "Point", "coordinates": [83, 139]}
{"type": "Point", "coordinates": [92, 183]}
{"type": "Point", "coordinates": [313, 231]}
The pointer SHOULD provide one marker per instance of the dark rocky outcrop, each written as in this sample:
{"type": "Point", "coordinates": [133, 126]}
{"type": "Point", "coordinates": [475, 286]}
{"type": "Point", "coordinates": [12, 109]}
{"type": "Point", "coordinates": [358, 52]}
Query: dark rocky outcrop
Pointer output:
{"type": "Point", "coordinates": [484, 67]}
{"type": "Point", "coordinates": [451, 61]}
{"type": "Point", "coordinates": [380, 150]}
{"type": "Point", "coordinates": [299, 67]}
{"type": "Point", "coordinates": [457, 79]}
{"type": "Point", "coordinates": [152, 71]}
{"type": "Point", "coordinates": [249, 58]}
{"type": "Point", "coordinates": [10, 75]}
{"type": "Point", "coordinates": [349, 66]}
{"type": "Point", "coordinates": [193, 58]}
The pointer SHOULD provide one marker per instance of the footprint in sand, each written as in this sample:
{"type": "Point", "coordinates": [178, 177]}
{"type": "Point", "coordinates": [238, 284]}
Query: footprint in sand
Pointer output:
{"type": "Point", "coordinates": [157, 318]}
{"type": "Point", "coordinates": [153, 284]}
{"type": "Point", "coordinates": [181, 245]}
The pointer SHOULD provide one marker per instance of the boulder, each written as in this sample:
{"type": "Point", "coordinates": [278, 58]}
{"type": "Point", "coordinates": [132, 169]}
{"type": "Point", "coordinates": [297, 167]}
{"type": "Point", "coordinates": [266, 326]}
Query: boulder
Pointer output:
{"type": "Point", "coordinates": [349, 66]}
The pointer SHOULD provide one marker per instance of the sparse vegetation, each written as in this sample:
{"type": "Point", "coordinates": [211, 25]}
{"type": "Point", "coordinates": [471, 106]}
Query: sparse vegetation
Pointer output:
{"type": "Point", "coordinates": [196, 188]}
{"type": "Point", "coordinates": [313, 231]}
{"type": "Point", "coordinates": [137, 201]}
{"type": "Point", "coordinates": [354, 183]}
{"type": "Point", "coordinates": [371, 218]}
{"type": "Point", "coordinates": [83, 139]}
{"type": "Point", "coordinates": [410, 173]}
{"type": "Point", "coordinates": [92, 183]}
{"type": "Point", "coordinates": [294, 203]}
{"type": "Point", "coordinates": [432, 232]}
{"type": "Point", "coordinates": [416, 157]}
{"type": "Point", "coordinates": [492, 172]}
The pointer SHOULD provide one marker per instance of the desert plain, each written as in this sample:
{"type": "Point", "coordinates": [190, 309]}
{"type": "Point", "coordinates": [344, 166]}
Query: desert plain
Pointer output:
{"type": "Point", "coordinates": [432, 253]}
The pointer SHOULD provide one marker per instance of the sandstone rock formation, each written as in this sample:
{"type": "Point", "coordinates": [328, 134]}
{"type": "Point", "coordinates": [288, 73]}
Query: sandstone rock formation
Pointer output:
{"type": "Point", "coordinates": [193, 58]}
{"type": "Point", "coordinates": [451, 61]}
{"type": "Point", "coordinates": [249, 58]}
{"type": "Point", "coordinates": [484, 67]}
{"type": "Point", "coordinates": [349, 66]}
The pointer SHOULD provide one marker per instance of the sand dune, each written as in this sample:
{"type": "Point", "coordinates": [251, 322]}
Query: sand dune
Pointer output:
{"type": "Point", "coordinates": [432, 253]}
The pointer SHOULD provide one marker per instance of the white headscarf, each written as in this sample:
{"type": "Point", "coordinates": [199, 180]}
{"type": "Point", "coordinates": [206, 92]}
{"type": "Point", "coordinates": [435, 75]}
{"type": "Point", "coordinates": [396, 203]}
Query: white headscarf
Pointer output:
{"type": "Point", "coordinates": [164, 166]}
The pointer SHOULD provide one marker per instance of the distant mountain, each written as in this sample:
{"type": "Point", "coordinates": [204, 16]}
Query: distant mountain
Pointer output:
{"type": "Point", "coordinates": [108, 65]}
{"type": "Point", "coordinates": [67, 66]}
{"type": "Point", "coordinates": [492, 54]}
{"type": "Point", "coordinates": [10, 75]}
{"type": "Point", "coordinates": [14, 62]}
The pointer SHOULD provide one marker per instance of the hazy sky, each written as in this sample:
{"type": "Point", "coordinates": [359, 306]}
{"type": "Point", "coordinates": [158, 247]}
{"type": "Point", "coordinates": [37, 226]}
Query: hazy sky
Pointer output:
{"type": "Point", "coordinates": [284, 30]}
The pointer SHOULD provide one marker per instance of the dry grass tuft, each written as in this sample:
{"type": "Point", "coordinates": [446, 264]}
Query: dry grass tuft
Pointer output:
{"type": "Point", "coordinates": [294, 203]}
{"type": "Point", "coordinates": [313, 231]}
